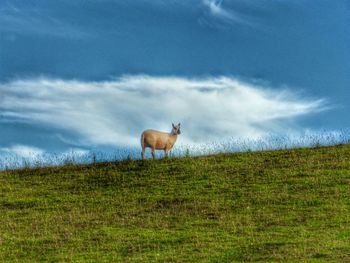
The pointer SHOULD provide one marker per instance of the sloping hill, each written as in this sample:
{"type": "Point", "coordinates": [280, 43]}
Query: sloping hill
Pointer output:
{"type": "Point", "coordinates": [286, 205]}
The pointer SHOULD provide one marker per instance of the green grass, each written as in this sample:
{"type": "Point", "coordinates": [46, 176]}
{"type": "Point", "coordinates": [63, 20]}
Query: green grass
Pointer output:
{"type": "Point", "coordinates": [287, 205]}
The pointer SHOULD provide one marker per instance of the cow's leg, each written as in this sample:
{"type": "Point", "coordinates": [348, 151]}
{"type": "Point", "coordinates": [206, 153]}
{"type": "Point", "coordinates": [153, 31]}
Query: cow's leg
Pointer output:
{"type": "Point", "coordinates": [143, 153]}
{"type": "Point", "coordinates": [153, 153]}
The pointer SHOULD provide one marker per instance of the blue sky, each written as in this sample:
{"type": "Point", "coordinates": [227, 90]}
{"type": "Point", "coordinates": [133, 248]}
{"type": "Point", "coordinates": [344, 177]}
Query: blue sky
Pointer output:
{"type": "Point", "coordinates": [91, 74]}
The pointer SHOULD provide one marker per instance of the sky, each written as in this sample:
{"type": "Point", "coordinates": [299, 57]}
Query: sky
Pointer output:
{"type": "Point", "coordinates": [88, 75]}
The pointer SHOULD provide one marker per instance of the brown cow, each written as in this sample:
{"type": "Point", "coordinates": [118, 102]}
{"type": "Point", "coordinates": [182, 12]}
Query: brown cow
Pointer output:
{"type": "Point", "coordinates": [157, 140]}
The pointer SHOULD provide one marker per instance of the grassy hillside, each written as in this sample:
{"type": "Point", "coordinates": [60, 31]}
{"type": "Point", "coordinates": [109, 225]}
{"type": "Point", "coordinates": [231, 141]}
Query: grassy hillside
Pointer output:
{"type": "Point", "coordinates": [290, 205]}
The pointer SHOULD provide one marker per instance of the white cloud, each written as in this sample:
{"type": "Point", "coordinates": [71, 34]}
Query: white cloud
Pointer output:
{"type": "Point", "coordinates": [115, 112]}
{"type": "Point", "coordinates": [18, 155]}
{"type": "Point", "coordinates": [23, 151]}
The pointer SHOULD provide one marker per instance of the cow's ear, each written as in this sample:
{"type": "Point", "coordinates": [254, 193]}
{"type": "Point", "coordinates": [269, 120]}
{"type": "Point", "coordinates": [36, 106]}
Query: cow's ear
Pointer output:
{"type": "Point", "coordinates": [173, 125]}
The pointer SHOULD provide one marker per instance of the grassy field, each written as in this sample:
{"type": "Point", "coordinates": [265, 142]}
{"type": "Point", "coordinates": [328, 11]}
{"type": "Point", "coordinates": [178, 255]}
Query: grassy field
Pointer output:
{"type": "Point", "coordinates": [273, 206]}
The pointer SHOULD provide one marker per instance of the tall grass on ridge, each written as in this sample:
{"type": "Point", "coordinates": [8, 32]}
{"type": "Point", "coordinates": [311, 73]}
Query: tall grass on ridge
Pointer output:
{"type": "Point", "coordinates": [228, 145]}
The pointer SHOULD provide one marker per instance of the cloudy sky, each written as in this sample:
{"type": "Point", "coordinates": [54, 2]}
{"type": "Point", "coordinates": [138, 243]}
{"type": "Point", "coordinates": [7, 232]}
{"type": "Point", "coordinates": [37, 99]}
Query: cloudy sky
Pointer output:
{"type": "Point", "coordinates": [92, 74]}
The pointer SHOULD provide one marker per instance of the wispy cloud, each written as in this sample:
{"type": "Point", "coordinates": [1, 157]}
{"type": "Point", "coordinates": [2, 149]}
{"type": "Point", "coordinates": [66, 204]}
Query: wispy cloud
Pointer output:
{"type": "Point", "coordinates": [115, 112]}
{"type": "Point", "coordinates": [36, 21]}
{"type": "Point", "coordinates": [216, 9]}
